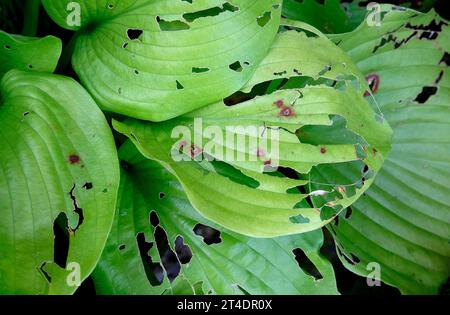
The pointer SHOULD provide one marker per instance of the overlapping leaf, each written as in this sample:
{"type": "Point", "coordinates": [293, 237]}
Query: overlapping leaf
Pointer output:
{"type": "Point", "coordinates": [58, 183]}
{"type": "Point", "coordinates": [304, 81]}
{"type": "Point", "coordinates": [158, 236]}
{"type": "Point", "coordinates": [328, 16]}
{"type": "Point", "coordinates": [403, 221]}
{"type": "Point", "coordinates": [28, 53]}
{"type": "Point", "coordinates": [155, 60]}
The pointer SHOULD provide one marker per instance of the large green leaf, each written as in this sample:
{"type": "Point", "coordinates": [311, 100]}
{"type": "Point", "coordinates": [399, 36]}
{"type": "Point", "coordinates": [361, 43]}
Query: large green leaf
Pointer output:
{"type": "Point", "coordinates": [155, 60]}
{"type": "Point", "coordinates": [403, 221]}
{"type": "Point", "coordinates": [340, 16]}
{"type": "Point", "coordinates": [58, 183]}
{"type": "Point", "coordinates": [328, 16]}
{"type": "Point", "coordinates": [323, 90]}
{"type": "Point", "coordinates": [28, 53]}
{"type": "Point", "coordinates": [233, 264]}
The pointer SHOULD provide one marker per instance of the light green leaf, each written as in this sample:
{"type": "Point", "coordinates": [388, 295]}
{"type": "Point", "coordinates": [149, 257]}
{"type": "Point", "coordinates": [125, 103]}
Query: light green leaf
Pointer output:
{"type": "Point", "coordinates": [57, 160]}
{"type": "Point", "coordinates": [234, 264]}
{"type": "Point", "coordinates": [156, 60]}
{"type": "Point", "coordinates": [28, 53]}
{"type": "Point", "coordinates": [304, 81]}
{"type": "Point", "coordinates": [403, 221]}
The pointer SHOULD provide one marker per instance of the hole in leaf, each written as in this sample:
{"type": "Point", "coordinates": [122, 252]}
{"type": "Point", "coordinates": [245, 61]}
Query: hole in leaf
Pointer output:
{"type": "Point", "coordinates": [245, 292]}
{"type": "Point", "coordinates": [445, 59]}
{"type": "Point", "coordinates": [199, 70]}
{"type": "Point", "coordinates": [45, 273]}
{"type": "Point", "coordinates": [240, 97]}
{"type": "Point", "coordinates": [425, 94]}
{"type": "Point", "coordinates": [179, 85]}
{"type": "Point", "coordinates": [264, 19]}
{"type": "Point", "coordinates": [227, 7]}
{"type": "Point", "coordinates": [183, 251]}
{"type": "Point", "coordinates": [348, 212]}
{"type": "Point", "coordinates": [355, 258]}
{"type": "Point", "coordinates": [299, 219]}
{"type": "Point", "coordinates": [373, 80]}
{"type": "Point", "coordinates": [347, 259]}
{"type": "Point", "coordinates": [161, 195]}
{"type": "Point", "coordinates": [234, 174]}
{"type": "Point", "coordinates": [122, 247]}
{"type": "Point", "coordinates": [168, 258]}
{"type": "Point", "coordinates": [210, 235]}
{"type": "Point", "coordinates": [175, 25]}
{"type": "Point", "coordinates": [61, 241]}
{"type": "Point", "coordinates": [326, 69]}
{"type": "Point", "coordinates": [280, 73]}
{"type": "Point", "coordinates": [154, 219]}
{"type": "Point", "coordinates": [134, 33]}
{"type": "Point", "coordinates": [336, 220]}
{"type": "Point", "coordinates": [153, 271]}
{"type": "Point", "coordinates": [236, 66]}
{"type": "Point", "coordinates": [76, 208]}
{"type": "Point", "coordinates": [306, 264]}
{"type": "Point", "coordinates": [88, 186]}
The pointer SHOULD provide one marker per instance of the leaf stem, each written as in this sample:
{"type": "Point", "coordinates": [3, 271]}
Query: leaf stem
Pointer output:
{"type": "Point", "coordinates": [31, 17]}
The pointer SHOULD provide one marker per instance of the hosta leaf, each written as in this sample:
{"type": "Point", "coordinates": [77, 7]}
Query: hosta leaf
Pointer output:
{"type": "Point", "coordinates": [28, 53]}
{"type": "Point", "coordinates": [403, 221]}
{"type": "Point", "coordinates": [155, 60]}
{"type": "Point", "coordinates": [58, 183]}
{"type": "Point", "coordinates": [329, 15]}
{"type": "Point", "coordinates": [304, 81]}
{"type": "Point", "coordinates": [340, 16]}
{"type": "Point", "coordinates": [155, 220]}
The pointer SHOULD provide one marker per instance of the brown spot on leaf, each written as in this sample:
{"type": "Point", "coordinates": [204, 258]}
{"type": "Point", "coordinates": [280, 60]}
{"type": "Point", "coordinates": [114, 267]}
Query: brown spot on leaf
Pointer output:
{"type": "Point", "coordinates": [195, 151]}
{"type": "Point", "coordinates": [287, 112]}
{"type": "Point", "coordinates": [260, 152]}
{"type": "Point", "coordinates": [279, 104]}
{"type": "Point", "coordinates": [74, 159]}
{"type": "Point", "coordinates": [374, 81]}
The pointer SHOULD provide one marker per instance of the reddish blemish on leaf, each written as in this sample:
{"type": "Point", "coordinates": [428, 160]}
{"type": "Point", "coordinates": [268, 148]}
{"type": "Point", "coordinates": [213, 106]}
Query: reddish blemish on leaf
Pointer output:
{"type": "Point", "coordinates": [74, 159]}
{"type": "Point", "coordinates": [279, 104]}
{"type": "Point", "coordinates": [182, 144]}
{"type": "Point", "coordinates": [287, 112]}
{"type": "Point", "coordinates": [374, 81]}
{"type": "Point", "coordinates": [268, 162]}
{"type": "Point", "coordinates": [195, 151]}
{"type": "Point", "coordinates": [323, 150]}
{"type": "Point", "coordinates": [260, 152]}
